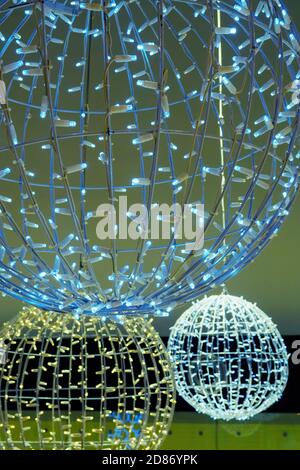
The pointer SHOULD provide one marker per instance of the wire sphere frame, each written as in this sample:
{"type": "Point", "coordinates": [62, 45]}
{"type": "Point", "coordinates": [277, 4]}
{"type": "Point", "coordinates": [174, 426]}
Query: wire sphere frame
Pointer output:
{"type": "Point", "coordinates": [230, 360]}
{"type": "Point", "coordinates": [63, 273]}
{"type": "Point", "coordinates": [83, 383]}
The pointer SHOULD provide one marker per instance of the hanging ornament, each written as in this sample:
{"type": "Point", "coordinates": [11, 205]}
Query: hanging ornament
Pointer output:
{"type": "Point", "coordinates": [83, 383]}
{"type": "Point", "coordinates": [230, 360]}
{"type": "Point", "coordinates": [130, 103]}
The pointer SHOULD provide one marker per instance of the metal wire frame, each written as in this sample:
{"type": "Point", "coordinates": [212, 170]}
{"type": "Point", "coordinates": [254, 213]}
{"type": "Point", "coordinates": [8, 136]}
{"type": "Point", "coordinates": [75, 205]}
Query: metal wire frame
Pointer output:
{"type": "Point", "coordinates": [83, 383]}
{"type": "Point", "coordinates": [229, 358]}
{"type": "Point", "coordinates": [259, 175]}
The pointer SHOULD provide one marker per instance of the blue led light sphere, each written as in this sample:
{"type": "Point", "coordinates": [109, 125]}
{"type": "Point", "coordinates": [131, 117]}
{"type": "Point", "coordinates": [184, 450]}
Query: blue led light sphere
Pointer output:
{"type": "Point", "coordinates": [229, 358]}
{"type": "Point", "coordinates": [107, 102]}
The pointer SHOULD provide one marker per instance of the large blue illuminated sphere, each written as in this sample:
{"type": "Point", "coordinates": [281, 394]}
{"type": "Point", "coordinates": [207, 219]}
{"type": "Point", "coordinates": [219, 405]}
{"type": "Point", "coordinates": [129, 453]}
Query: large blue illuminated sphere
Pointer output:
{"type": "Point", "coordinates": [161, 102]}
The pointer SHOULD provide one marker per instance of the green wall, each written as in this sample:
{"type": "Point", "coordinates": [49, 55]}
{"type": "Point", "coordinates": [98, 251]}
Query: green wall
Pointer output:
{"type": "Point", "coordinates": [268, 432]}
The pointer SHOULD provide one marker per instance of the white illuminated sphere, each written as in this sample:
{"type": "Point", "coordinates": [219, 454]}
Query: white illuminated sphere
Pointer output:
{"type": "Point", "coordinates": [229, 357]}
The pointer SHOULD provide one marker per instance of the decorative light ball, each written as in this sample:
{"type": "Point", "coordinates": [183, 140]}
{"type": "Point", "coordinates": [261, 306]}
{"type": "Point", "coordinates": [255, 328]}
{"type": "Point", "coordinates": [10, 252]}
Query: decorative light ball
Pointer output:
{"type": "Point", "coordinates": [83, 383]}
{"type": "Point", "coordinates": [153, 102]}
{"type": "Point", "coordinates": [230, 360]}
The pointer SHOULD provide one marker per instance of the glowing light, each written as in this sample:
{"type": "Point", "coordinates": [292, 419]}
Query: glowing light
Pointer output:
{"type": "Point", "coordinates": [106, 98]}
{"type": "Point", "coordinates": [229, 358]}
{"type": "Point", "coordinates": [78, 388]}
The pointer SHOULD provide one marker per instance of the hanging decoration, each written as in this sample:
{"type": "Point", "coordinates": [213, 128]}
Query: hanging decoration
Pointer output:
{"type": "Point", "coordinates": [153, 102]}
{"type": "Point", "coordinates": [230, 360]}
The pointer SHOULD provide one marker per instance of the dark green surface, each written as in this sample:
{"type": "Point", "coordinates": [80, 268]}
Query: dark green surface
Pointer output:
{"type": "Point", "coordinates": [267, 432]}
{"type": "Point", "coordinates": [191, 431]}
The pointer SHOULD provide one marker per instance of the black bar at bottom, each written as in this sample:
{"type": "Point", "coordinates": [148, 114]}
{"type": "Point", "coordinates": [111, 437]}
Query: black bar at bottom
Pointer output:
{"type": "Point", "coordinates": [136, 459]}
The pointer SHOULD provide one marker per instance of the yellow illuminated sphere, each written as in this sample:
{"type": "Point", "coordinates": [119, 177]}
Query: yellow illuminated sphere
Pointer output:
{"type": "Point", "coordinates": [86, 383]}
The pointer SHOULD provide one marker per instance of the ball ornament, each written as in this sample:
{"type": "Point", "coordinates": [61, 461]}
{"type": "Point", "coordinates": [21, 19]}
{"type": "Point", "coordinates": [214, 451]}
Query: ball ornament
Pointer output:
{"type": "Point", "coordinates": [129, 103]}
{"type": "Point", "coordinates": [230, 360]}
{"type": "Point", "coordinates": [83, 384]}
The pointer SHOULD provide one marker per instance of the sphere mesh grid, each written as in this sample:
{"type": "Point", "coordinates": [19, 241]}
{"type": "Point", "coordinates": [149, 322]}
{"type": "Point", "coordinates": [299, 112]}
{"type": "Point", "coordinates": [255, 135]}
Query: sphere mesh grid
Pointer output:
{"type": "Point", "coordinates": [230, 360]}
{"type": "Point", "coordinates": [104, 99]}
{"type": "Point", "coordinates": [83, 384]}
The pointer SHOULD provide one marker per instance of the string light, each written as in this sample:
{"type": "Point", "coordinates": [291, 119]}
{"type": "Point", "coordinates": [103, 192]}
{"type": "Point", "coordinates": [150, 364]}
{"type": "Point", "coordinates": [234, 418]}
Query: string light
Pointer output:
{"type": "Point", "coordinates": [83, 383]}
{"type": "Point", "coordinates": [101, 99]}
{"type": "Point", "coordinates": [230, 360]}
